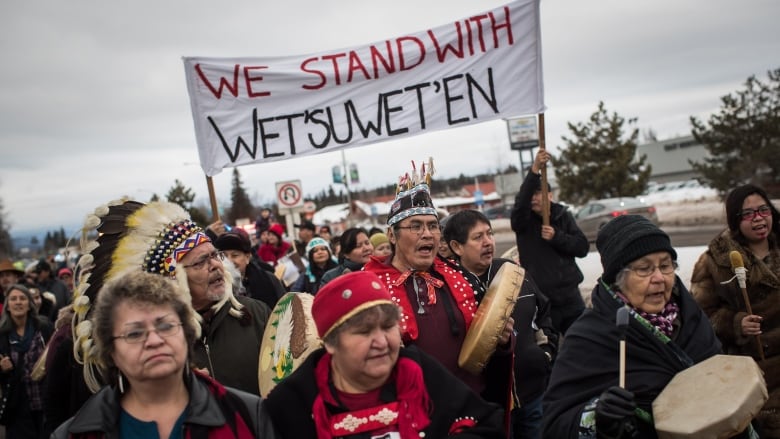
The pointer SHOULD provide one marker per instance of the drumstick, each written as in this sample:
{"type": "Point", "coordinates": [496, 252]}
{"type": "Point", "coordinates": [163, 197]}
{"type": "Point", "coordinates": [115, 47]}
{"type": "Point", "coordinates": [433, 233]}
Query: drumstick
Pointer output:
{"type": "Point", "coordinates": [739, 269]}
{"type": "Point", "coordinates": [621, 319]}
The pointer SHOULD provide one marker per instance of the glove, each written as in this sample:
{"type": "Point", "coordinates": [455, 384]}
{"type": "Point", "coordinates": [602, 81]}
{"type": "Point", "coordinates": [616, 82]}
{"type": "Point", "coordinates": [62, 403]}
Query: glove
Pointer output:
{"type": "Point", "coordinates": [615, 414]}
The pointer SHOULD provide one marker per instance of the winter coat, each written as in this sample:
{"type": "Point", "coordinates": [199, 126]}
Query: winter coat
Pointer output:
{"type": "Point", "coordinates": [290, 402]}
{"type": "Point", "coordinates": [213, 412]}
{"type": "Point", "coordinates": [271, 253]}
{"type": "Point", "coordinates": [536, 341]}
{"type": "Point", "coordinates": [229, 347]}
{"type": "Point", "coordinates": [442, 337]}
{"type": "Point", "coordinates": [587, 363]}
{"type": "Point", "coordinates": [345, 267]}
{"type": "Point", "coordinates": [551, 263]}
{"type": "Point", "coordinates": [60, 292]}
{"type": "Point", "coordinates": [311, 279]}
{"type": "Point", "coordinates": [536, 344]}
{"type": "Point", "coordinates": [23, 394]}
{"type": "Point", "coordinates": [261, 284]}
{"type": "Point", "coordinates": [724, 305]}
{"type": "Point", "coordinates": [64, 389]}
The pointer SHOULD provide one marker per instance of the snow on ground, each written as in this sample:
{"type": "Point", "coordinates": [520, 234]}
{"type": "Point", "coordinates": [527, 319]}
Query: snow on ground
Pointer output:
{"type": "Point", "coordinates": [591, 267]}
{"type": "Point", "coordinates": [687, 206]}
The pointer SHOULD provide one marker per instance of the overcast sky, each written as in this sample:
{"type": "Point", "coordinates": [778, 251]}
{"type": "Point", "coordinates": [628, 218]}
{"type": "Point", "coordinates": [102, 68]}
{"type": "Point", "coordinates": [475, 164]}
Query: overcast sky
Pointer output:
{"type": "Point", "coordinates": [94, 102]}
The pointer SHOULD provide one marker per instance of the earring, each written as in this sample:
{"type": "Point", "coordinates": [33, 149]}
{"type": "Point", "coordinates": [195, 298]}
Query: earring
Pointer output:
{"type": "Point", "coordinates": [120, 383]}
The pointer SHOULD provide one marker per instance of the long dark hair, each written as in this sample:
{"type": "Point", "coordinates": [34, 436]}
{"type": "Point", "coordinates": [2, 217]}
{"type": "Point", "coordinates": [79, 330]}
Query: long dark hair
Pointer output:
{"type": "Point", "coordinates": [349, 241]}
{"type": "Point", "coordinates": [734, 203]}
{"type": "Point", "coordinates": [6, 322]}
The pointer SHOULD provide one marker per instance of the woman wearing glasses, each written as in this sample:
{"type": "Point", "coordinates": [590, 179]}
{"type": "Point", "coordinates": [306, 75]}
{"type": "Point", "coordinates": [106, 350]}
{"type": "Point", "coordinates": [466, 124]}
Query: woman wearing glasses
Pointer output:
{"type": "Point", "coordinates": [666, 333]}
{"type": "Point", "coordinates": [753, 231]}
{"type": "Point", "coordinates": [143, 332]}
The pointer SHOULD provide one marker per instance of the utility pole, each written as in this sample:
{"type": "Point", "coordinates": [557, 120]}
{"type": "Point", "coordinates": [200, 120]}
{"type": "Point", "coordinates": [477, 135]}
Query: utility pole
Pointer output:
{"type": "Point", "coordinates": [345, 179]}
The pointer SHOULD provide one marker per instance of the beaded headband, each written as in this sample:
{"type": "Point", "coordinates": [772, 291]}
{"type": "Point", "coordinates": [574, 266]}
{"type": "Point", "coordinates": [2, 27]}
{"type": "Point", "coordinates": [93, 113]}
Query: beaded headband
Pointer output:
{"type": "Point", "coordinates": [413, 195]}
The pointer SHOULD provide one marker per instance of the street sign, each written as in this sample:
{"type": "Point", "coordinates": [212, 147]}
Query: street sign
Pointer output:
{"type": "Point", "coordinates": [309, 207]}
{"type": "Point", "coordinates": [479, 198]}
{"type": "Point", "coordinates": [289, 194]}
{"type": "Point", "coordinates": [523, 133]}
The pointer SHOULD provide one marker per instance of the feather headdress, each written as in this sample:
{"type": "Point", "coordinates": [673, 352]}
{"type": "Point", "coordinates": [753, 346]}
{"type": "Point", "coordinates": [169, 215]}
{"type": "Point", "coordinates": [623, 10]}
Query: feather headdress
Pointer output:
{"type": "Point", "coordinates": [132, 236]}
{"type": "Point", "coordinates": [413, 194]}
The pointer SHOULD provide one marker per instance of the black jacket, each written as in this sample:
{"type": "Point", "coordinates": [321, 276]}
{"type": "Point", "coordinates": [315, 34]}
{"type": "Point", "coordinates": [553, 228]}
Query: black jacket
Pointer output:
{"type": "Point", "coordinates": [551, 263]}
{"type": "Point", "coordinates": [536, 340]}
{"type": "Point", "coordinates": [588, 362]}
{"type": "Point", "coordinates": [261, 284]}
{"type": "Point", "coordinates": [290, 402]}
{"type": "Point", "coordinates": [230, 347]}
{"type": "Point", "coordinates": [344, 267]}
{"type": "Point", "coordinates": [99, 417]}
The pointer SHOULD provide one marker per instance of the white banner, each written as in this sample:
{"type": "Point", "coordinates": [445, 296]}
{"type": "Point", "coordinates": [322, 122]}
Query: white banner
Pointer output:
{"type": "Point", "coordinates": [257, 110]}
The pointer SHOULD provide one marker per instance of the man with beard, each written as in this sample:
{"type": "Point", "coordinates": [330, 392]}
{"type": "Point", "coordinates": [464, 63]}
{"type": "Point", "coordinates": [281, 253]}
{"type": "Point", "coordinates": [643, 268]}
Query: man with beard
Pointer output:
{"type": "Point", "coordinates": [437, 303]}
{"type": "Point", "coordinates": [257, 277]}
{"type": "Point", "coordinates": [160, 238]}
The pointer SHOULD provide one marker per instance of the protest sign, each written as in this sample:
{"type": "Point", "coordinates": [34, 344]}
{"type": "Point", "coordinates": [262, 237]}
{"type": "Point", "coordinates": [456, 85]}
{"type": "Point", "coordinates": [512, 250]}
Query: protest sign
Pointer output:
{"type": "Point", "coordinates": [263, 109]}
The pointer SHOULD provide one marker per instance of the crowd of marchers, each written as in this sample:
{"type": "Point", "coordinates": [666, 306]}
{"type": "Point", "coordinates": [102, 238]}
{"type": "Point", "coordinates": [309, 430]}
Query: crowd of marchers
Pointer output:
{"type": "Point", "coordinates": [160, 328]}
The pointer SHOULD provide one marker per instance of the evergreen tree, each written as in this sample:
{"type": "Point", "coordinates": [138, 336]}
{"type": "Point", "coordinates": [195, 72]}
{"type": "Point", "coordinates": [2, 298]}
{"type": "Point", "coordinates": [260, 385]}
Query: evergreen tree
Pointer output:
{"type": "Point", "coordinates": [184, 197]}
{"type": "Point", "coordinates": [743, 139]}
{"type": "Point", "coordinates": [598, 161]}
{"type": "Point", "coordinates": [241, 206]}
{"type": "Point", "coordinates": [6, 244]}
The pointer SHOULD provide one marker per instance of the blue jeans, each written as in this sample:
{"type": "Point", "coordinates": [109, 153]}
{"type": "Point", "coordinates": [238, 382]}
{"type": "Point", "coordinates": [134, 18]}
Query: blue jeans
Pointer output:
{"type": "Point", "coordinates": [527, 420]}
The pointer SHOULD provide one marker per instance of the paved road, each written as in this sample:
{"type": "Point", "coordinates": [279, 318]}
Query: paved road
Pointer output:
{"type": "Point", "coordinates": [682, 236]}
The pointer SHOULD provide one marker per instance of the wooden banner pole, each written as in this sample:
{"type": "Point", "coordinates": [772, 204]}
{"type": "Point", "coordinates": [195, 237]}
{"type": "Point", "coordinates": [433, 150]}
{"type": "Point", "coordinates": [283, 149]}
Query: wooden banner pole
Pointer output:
{"type": "Point", "coordinates": [545, 196]}
{"type": "Point", "coordinates": [213, 199]}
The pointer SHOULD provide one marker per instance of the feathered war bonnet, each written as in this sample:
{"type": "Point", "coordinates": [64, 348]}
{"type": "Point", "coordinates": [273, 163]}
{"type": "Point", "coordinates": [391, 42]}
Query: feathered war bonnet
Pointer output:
{"type": "Point", "coordinates": [413, 194]}
{"type": "Point", "coordinates": [132, 236]}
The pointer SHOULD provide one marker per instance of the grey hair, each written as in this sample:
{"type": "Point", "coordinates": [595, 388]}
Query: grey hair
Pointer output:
{"type": "Point", "coordinates": [621, 279]}
{"type": "Point", "coordinates": [137, 287]}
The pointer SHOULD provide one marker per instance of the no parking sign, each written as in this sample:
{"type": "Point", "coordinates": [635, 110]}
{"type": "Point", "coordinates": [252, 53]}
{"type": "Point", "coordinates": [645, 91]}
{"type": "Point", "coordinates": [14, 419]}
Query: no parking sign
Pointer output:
{"type": "Point", "coordinates": [289, 194]}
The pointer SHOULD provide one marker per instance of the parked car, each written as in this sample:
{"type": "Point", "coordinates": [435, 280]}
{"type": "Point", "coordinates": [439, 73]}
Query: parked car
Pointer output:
{"type": "Point", "coordinates": [595, 214]}
{"type": "Point", "coordinates": [497, 212]}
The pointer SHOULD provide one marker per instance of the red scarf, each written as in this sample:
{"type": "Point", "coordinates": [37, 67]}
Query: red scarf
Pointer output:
{"type": "Point", "coordinates": [459, 288]}
{"type": "Point", "coordinates": [411, 406]}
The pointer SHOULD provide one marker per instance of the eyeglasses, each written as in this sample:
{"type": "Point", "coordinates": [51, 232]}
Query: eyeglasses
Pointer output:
{"type": "Point", "coordinates": [140, 335]}
{"type": "Point", "coordinates": [748, 214]}
{"type": "Point", "coordinates": [647, 270]}
{"type": "Point", "coordinates": [419, 227]}
{"type": "Point", "coordinates": [200, 263]}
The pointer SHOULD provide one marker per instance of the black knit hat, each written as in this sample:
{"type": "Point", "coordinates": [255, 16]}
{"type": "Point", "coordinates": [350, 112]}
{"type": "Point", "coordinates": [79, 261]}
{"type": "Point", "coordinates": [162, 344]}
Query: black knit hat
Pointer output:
{"type": "Point", "coordinates": [626, 239]}
{"type": "Point", "coordinates": [236, 239]}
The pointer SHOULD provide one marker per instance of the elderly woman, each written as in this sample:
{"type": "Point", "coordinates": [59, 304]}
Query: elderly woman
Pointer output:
{"type": "Point", "coordinates": [667, 332]}
{"type": "Point", "coordinates": [143, 333]}
{"type": "Point", "coordinates": [753, 231]}
{"type": "Point", "coordinates": [356, 250]}
{"type": "Point", "coordinates": [23, 337]}
{"type": "Point", "coordinates": [365, 384]}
